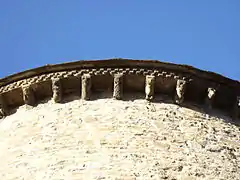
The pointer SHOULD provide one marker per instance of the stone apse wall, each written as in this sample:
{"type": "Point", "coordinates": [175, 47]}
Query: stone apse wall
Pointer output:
{"type": "Point", "coordinates": [182, 83]}
{"type": "Point", "coordinates": [179, 97]}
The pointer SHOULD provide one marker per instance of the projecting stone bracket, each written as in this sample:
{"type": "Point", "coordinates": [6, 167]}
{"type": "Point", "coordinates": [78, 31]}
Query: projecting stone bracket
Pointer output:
{"type": "Point", "coordinates": [211, 93]}
{"type": "Point", "coordinates": [118, 86]}
{"type": "Point", "coordinates": [57, 90]}
{"type": "Point", "coordinates": [180, 91]}
{"type": "Point", "coordinates": [149, 87]}
{"type": "Point", "coordinates": [28, 95]}
{"type": "Point", "coordinates": [86, 86]}
{"type": "Point", "coordinates": [3, 107]}
{"type": "Point", "coordinates": [153, 77]}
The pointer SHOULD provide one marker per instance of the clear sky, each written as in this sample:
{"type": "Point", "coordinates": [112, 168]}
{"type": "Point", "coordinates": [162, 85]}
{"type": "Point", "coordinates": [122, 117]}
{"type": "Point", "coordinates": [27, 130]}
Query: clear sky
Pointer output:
{"type": "Point", "coordinates": [201, 33]}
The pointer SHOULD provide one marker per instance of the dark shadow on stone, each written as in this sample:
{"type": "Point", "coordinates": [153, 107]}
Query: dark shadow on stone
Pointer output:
{"type": "Point", "coordinates": [11, 110]}
{"type": "Point", "coordinates": [133, 96]}
{"type": "Point", "coordinates": [101, 95]}
{"type": "Point", "coordinates": [69, 98]}
{"type": "Point", "coordinates": [211, 112]}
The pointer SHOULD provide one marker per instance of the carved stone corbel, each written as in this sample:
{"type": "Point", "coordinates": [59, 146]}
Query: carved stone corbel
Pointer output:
{"type": "Point", "coordinates": [57, 90]}
{"type": "Point", "coordinates": [211, 93]}
{"type": "Point", "coordinates": [28, 95]}
{"type": "Point", "coordinates": [86, 86]}
{"type": "Point", "coordinates": [118, 86]}
{"type": "Point", "coordinates": [3, 107]}
{"type": "Point", "coordinates": [180, 91]}
{"type": "Point", "coordinates": [149, 87]}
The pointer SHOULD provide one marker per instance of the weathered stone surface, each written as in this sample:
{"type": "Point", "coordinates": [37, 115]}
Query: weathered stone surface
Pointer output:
{"type": "Point", "coordinates": [149, 87]}
{"type": "Point", "coordinates": [86, 86]}
{"type": "Point", "coordinates": [135, 71]}
{"type": "Point", "coordinates": [57, 90]}
{"type": "Point", "coordinates": [118, 86]}
{"type": "Point", "coordinates": [3, 107]}
{"type": "Point", "coordinates": [211, 93]}
{"type": "Point", "coordinates": [28, 95]}
{"type": "Point", "coordinates": [180, 91]}
{"type": "Point", "coordinates": [107, 139]}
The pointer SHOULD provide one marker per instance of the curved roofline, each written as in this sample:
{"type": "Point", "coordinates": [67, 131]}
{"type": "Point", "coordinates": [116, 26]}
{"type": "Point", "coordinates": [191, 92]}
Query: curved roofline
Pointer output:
{"type": "Point", "coordinates": [119, 62]}
{"type": "Point", "coordinates": [182, 83]}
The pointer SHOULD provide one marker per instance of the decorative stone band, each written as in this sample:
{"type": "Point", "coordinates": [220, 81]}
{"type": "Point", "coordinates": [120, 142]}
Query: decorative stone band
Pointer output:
{"type": "Point", "coordinates": [184, 84]}
{"type": "Point", "coordinates": [94, 71]}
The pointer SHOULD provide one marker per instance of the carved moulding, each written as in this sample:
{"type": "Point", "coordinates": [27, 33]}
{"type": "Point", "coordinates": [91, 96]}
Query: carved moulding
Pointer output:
{"type": "Point", "coordinates": [118, 70]}
{"type": "Point", "coordinates": [93, 71]}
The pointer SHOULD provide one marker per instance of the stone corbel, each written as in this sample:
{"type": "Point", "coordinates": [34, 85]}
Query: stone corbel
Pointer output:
{"type": "Point", "coordinates": [180, 91]}
{"type": "Point", "coordinates": [118, 86]}
{"type": "Point", "coordinates": [211, 93]}
{"type": "Point", "coordinates": [28, 95]}
{"type": "Point", "coordinates": [3, 107]}
{"type": "Point", "coordinates": [149, 87]}
{"type": "Point", "coordinates": [57, 90]}
{"type": "Point", "coordinates": [86, 86]}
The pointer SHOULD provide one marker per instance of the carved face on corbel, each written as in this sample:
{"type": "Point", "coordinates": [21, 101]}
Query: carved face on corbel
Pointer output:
{"type": "Point", "coordinates": [149, 90]}
{"type": "Point", "coordinates": [181, 86]}
{"type": "Point", "coordinates": [85, 79]}
{"type": "Point", "coordinates": [211, 93]}
{"type": "Point", "coordinates": [150, 80]}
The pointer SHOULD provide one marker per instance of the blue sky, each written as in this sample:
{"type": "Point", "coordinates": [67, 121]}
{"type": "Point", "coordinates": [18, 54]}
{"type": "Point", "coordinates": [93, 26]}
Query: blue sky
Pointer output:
{"type": "Point", "coordinates": [201, 33]}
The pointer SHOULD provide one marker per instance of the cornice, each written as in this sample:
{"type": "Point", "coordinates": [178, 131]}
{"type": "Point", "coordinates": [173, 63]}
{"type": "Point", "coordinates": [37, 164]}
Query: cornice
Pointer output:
{"type": "Point", "coordinates": [183, 83]}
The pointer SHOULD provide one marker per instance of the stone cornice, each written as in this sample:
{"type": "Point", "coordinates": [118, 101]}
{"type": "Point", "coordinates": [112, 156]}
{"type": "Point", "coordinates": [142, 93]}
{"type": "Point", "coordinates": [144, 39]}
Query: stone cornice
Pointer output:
{"type": "Point", "coordinates": [119, 63]}
{"type": "Point", "coordinates": [182, 82]}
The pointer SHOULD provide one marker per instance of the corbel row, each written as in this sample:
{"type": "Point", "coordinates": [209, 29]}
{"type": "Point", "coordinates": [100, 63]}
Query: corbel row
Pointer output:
{"type": "Point", "coordinates": [86, 81]}
{"type": "Point", "coordinates": [180, 92]}
{"type": "Point", "coordinates": [181, 89]}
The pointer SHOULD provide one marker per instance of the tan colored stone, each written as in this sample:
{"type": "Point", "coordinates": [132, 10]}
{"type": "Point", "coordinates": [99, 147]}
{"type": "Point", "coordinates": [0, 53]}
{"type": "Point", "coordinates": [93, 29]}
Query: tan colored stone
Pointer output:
{"type": "Point", "coordinates": [103, 139]}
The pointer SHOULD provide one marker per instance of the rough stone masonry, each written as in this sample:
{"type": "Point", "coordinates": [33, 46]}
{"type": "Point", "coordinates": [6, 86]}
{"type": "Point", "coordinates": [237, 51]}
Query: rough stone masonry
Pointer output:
{"type": "Point", "coordinates": [119, 119]}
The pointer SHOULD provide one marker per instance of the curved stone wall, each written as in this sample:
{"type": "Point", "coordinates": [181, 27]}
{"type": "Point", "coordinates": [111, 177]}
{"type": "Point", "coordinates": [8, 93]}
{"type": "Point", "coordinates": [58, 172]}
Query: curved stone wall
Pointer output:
{"type": "Point", "coordinates": [119, 119]}
{"type": "Point", "coordinates": [185, 85]}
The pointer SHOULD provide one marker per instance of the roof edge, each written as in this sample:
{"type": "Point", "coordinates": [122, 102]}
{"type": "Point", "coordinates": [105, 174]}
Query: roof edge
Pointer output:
{"type": "Point", "coordinates": [120, 62]}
